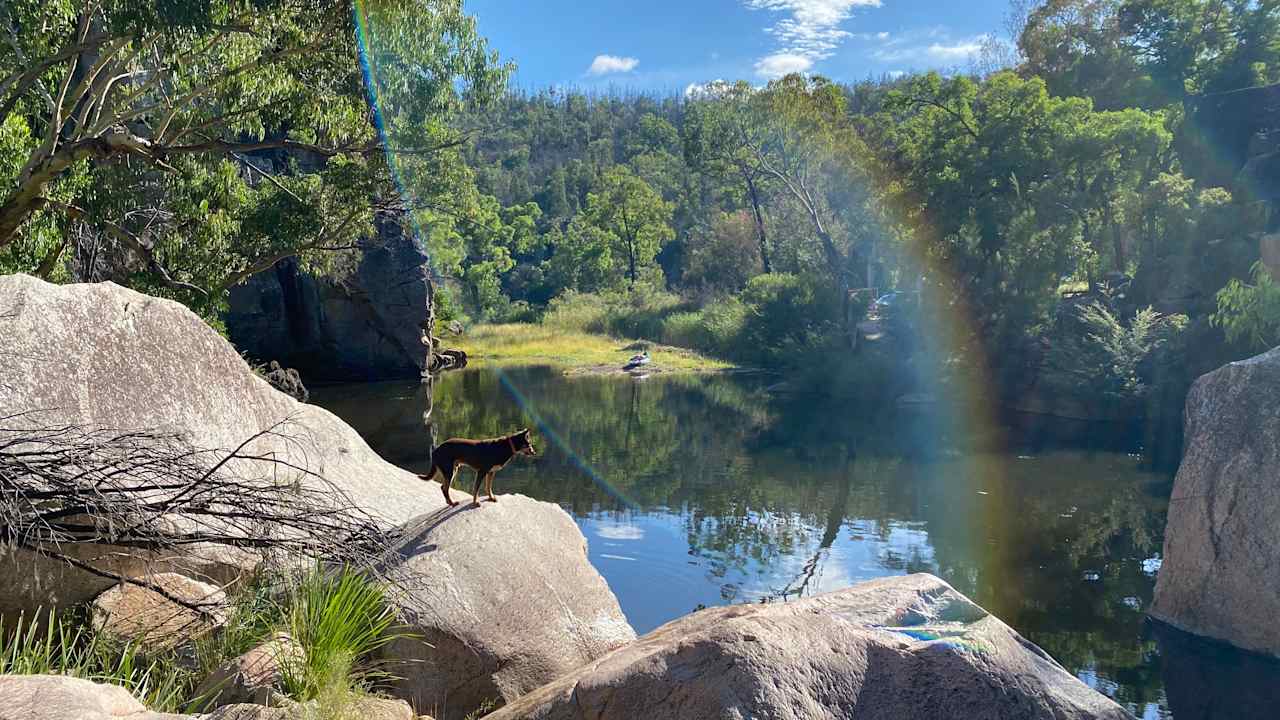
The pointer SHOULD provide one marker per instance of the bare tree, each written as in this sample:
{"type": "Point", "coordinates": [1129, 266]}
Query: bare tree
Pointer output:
{"type": "Point", "coordinates": [153, 492]}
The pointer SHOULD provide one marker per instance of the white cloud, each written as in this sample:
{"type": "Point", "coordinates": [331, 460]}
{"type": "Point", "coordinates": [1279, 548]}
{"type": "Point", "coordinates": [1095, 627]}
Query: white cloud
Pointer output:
{"type": "Point", "coordinates": [606, 64]}
{"type": "Point", "coordinates": [882, 36]}
{"type": "Point", "coordinates": [941, 52]}
{"type": "Point", "coordinates": [810, 32]}
{"type": "Point", "coordinates": [956, 51]}
{"type": "Point", "coordinates": [780, 64]}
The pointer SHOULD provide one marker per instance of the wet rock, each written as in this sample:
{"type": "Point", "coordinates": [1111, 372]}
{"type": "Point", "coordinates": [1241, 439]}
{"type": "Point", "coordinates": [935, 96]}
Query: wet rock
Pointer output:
{"type": "Point", "coordinates": [1206, 680]}
{"type": "Point", "coordinates": [906, 647]}
{"type": "Point", "coordinates": [1219, 578]}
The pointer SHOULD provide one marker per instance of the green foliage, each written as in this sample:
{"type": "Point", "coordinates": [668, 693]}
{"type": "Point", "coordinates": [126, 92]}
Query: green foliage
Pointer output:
{"type": "Point", "coordinates": [1012, 189]}
{"type": "Point", "coordinates": [339, 620]}
{"type": "Point", "coordinates": [1111, 358]}
{"type": "Point", "coordinates": [197, 143]}
{"type": "Point", "coordinates": [788, 316]}
{"type": "Point", "coordinates": [1250, 313]}
{"type": "Point", "coordinates": [631, 219]}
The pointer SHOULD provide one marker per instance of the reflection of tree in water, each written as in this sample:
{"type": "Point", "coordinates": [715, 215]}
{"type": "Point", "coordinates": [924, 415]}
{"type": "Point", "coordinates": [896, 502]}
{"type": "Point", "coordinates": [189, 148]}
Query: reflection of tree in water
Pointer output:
{"type": "Point", "coordinates": [762, 486]}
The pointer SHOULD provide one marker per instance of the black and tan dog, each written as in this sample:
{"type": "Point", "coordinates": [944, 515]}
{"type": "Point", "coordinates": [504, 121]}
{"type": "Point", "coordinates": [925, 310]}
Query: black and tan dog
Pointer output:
{"type": "Point", "coordinates": [486, 457]}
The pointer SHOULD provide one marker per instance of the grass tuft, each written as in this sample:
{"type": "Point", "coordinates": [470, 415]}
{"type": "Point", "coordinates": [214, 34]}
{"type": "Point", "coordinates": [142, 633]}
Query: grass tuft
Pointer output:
{"type": "Point", "coordinates": [340, 620]}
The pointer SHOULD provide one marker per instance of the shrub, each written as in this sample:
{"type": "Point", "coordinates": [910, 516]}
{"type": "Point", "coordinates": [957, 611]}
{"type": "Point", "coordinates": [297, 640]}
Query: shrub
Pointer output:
{"type": "Point", "coordinates": [581, 312]}
{"type": "Point", "coordinates": [1250, 313]}
{"type": "Point", "coordinates": [787, 315]}
{"type": "Point", "coordinates": [1108, 357]}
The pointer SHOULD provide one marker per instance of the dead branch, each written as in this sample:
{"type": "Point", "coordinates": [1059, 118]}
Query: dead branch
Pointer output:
{"type": "Point", "coordinates": [70, 485]}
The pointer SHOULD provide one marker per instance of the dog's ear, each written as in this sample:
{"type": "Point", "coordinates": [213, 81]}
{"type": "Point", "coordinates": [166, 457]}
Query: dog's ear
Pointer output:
{"type": "Point", "coordinates": [525, 432]}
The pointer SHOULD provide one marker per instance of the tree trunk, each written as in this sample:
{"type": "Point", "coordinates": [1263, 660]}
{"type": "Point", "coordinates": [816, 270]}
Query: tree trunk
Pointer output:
{"type": "Point", "coordinates": [631, 263]}
{"type": "Point", "coordinates": [758, 215]}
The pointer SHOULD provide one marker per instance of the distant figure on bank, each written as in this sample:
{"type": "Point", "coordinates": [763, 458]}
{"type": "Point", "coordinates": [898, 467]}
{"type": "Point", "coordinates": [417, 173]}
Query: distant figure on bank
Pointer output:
{"type": "Point", "coordinates": [637, 361]}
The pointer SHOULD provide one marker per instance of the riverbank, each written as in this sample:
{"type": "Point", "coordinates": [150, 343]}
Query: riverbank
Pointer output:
{"type": "Point", "coordinates": [576, 353]}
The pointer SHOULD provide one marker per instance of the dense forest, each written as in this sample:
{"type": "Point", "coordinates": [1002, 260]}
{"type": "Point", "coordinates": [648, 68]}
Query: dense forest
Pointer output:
{"type": "Point", "coordinates": [1085, 208]}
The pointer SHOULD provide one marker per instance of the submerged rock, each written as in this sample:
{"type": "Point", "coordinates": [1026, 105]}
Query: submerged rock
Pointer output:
{"type": "Point", "coordinates": [905, 647]}
{"type": "Point", "coordinates": [1221, 572]}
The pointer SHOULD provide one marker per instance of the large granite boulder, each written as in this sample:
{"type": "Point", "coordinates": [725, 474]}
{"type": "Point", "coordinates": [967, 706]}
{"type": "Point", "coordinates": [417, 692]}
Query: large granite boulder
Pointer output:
{"type": "Point", "coordinates": [1221, 571]}
{"type": "Point", "coordinates": [57, 697]}
{"type": "Point", "coordinates": [905, 647]}
{"type": "Point", "coordinates": [104, 355]}
{"type": "Point", "coordinates": [365, 325]}
{"type": "Point", "coordinates": [531, 609]}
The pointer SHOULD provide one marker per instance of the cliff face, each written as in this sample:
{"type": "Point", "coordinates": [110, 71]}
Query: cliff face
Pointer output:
{"type": "Point", "coordinates": [365, 326]}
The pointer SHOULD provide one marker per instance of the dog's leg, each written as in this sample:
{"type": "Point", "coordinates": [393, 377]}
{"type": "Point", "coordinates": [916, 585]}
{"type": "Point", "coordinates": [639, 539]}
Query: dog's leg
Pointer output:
{"type": "Point", "coordinates": [475, 492]}
{"type": "Point", "coordinates": [447, 482]}
{"type": "Point", "coordinates": [488, 486]}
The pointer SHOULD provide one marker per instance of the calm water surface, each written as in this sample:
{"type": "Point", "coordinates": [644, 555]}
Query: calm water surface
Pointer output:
{"type": "Point", "coordinates": [699, 491]}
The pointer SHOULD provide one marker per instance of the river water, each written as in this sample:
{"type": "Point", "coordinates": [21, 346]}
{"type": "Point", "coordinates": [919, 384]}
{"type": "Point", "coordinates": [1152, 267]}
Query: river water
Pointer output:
{"type": "Point", "coordinates": [695, 491]}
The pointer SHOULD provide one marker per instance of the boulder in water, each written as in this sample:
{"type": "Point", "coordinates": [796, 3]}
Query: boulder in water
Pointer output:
{"type": "Point", "coordinates": [1221, 572]}
{"type": "Point", "coordinates": [896, 648]}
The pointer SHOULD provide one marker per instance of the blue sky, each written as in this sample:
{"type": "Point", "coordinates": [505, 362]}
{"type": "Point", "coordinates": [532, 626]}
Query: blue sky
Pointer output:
{"type": "Point", "coordinates": [668, 44]}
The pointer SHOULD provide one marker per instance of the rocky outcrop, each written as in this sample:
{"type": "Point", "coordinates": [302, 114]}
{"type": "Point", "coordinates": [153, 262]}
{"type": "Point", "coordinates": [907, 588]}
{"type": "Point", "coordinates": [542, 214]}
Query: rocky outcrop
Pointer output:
{"type": "Point", "coordinates": [1269, 246]}
{"type": "Point", "coordinates": [530, 610]}
{"type": "Point", "coordinates": [141, 615]}
{"type": "Point", "coordinates": [1221, 571]}
{"type": "Point", "coordinates": [365, 325]}
{"type": "Point", "coordinates": [56, 697]}
{"type": "Point", "coordinates": [101, 355]}
{"type": "Point", "coordinates": [906, 647]}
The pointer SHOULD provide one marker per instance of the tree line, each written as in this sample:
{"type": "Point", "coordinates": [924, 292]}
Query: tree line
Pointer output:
{"type": "Point", "coordinates": [181, 147]}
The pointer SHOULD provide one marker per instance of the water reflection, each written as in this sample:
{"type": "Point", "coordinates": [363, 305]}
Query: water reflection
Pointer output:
{"type": "Point", "coordinates": [705, 491]}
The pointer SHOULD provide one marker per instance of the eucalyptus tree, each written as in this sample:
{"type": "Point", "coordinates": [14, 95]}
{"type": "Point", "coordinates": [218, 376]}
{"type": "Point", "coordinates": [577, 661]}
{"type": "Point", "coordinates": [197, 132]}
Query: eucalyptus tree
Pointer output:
{"type": "Point", "coordinates": [209, 139]}
{"type": "Point", "coordinates": [632, 217]}
{"type": "Point", "coordinates": [1012, 189]}
{"type": "Point", "coordinates": [719, 134]}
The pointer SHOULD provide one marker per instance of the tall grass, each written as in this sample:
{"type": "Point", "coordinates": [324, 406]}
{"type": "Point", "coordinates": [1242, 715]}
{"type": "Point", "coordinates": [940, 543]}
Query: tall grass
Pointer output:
{"type": "Point", "coordinates": [64, 643]}
{"type": "Point", "coordinates": [340, 620]}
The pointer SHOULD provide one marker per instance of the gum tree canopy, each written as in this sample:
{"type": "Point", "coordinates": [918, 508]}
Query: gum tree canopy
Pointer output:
{"type": "Point", "coordinates": [206, 140]}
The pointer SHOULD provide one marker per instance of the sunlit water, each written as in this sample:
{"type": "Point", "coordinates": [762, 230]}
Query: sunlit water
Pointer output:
{"type": "Point", "coordinates": [699, 491]}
